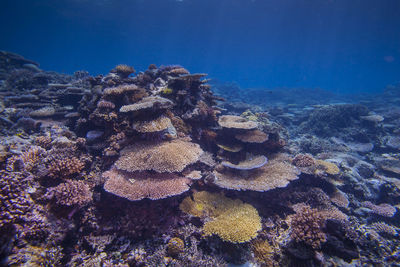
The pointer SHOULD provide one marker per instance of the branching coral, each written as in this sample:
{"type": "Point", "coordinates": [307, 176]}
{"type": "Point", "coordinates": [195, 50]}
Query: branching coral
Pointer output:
{"type": "Point", "coordinates": [263, 252]}
{"type": "Point", "coordinates": [307, 226]}
{"type": "Point", "coordinates": [303, 160]}
{"type": "Point", "coordinates": [71, 193]}
{"type": "Point", "coordinates": [232, 220]}
{"type": "Point", "coordinates": [14, 201]}
{"type": "Point", "coordinates": [61, 166]}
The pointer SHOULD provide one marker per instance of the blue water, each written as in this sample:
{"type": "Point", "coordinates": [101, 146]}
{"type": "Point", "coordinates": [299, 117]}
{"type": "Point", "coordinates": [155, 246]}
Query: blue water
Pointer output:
{"type": "Point", "coordinates": [338, 45]}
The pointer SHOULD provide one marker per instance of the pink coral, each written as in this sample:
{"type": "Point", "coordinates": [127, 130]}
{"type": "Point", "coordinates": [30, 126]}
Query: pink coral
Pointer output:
{"type": "Point", "coordinates": [139, 185]}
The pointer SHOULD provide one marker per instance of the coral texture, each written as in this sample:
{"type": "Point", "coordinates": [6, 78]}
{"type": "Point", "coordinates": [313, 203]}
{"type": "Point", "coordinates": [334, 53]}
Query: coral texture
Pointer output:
{"type": "Point", "coordinates": [276, 173]}
{"type": "Point", "coordinates": [249, 164]}
{"type": "Point", "coordinates": [139, 185]}
{"type": "Point", "coordinates": [307, 226]}
{"type": "Point", "coordinates": [232, 220]}
{"type": "Point", "coordinates": [254, 136]}
{"type": "Point", "coordinates": [170, 156]}
{"type": "Point", "coordinates": [72, 193]}
{"type": "Point", "coordinates": [303, 160]}
{"type": "Point", "coordinates": [236, 122]}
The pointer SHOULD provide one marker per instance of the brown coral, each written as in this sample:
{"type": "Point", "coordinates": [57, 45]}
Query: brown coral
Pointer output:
{"type": "Point", "coordinates": [307, 226]}
{"type": "Point", "coordinates": [71, 193]}
{"type": "Point", "coordinates": [139, 185]}
{"type": "Point", "coordinates": [249, 164]}
{"type": "Point", "coordinates": [157, 125]}
{"type": "Point", "coordinates": [236, 122]}
{"type": "Point", "coordinates": [119, 90]}
{"type": "Point", "coordinates": [254, 136]}
{"type": "Point", "coordinates": [64, 167]}
{"type": "Point", "coordinates": [276, 173]}
{"type": "Point", "coordinates": [170, 156]}
{"type": "Point", "coordinates": [303, 160]}
{"type": "Point", "coordinates": [123, 70]}
{"type": "Point", "coordinates": [148, 103]}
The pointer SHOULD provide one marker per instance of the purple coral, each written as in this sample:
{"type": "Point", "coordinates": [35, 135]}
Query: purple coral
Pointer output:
{"type": "Point", "coordinates": [71, 193]}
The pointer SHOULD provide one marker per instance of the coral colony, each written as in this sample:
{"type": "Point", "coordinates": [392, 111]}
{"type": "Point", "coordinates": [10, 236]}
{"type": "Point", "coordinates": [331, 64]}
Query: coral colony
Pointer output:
{"type": "Point", "coordinates": [152, 168]}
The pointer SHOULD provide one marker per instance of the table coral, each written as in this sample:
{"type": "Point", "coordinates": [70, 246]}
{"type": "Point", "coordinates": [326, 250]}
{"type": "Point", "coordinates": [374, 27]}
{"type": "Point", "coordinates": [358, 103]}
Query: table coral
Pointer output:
{"type": "Point", "coordinates": [136, 185]}
{"type": "Point", "coordinates": [236, 122]}
{"type": "Point", "coordinates": [172, 156]}
{"type": "Point", "coordinates": [231, 219]}
{"type": "Point", "coordinates": [276, 173]}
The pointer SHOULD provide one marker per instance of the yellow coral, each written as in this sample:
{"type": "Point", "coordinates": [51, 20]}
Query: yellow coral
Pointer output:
{"type": "Point", "coordinates": [231, 219]}
{"type": "Point", "coordinates": [167, 91]}
{"type": "Point", "coordinates": [263, 252]}
{"type": "Point", "coordinates": [328, 167]}
{"type": "Point", "coordinates": [175, 246]}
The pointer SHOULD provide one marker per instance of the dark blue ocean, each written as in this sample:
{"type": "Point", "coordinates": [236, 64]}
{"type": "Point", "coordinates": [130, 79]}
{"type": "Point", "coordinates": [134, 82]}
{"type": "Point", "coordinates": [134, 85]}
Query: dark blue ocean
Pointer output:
{"type": "Point", "coordinates": [337, 45]}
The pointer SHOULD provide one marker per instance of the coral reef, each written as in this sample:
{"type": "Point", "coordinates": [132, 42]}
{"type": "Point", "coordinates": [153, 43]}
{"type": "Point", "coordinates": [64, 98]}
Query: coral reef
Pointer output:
{"type": "Point", "coordinates": [150, 168]}
{"type": "Point", "coordinates": [307, 227]}
{"type": "Point", "coordinates": [232, 220]}
{"type": "Point", "coordinates": [71, 193]}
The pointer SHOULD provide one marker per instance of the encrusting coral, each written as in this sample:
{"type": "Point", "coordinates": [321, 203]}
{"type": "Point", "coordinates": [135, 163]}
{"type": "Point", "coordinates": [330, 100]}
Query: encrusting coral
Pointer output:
{"type": "Point", "coordinates": [231, 219]}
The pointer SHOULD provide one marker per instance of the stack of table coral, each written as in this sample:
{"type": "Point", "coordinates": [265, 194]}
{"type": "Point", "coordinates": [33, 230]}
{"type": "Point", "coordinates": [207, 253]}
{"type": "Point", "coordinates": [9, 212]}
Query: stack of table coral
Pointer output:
{"type": "Point", "coordinates": [244, 162]}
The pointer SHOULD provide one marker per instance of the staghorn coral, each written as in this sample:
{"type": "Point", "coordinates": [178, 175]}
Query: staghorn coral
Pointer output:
{"type": "Point", "coordinates": [307, 226]}
{"type": "Point", "coordinates": [384, 209]}
{"type": "Point", "coordinates": [231, 219]}
{"type": "Point", "coordinates": [169, 156]}
{"type": "Point", "coordinates": [71, 193]}
{"type": "Point", "coordinates": [44, 141]}
{"type": "Point", "coordinates": [61, 166]}
{"type": "Point", "coordinates": [276, 173]}
{"type": "Point", "coordinates": [236, 122]}
{"type": "Point", "coordinates": [303, 160]}
{"type": "Point", "coordinates": [254, 136]}
{"type": "Point", "coordinates": [139, 185]}
{"type": "Point", "coordinates": [32, 157]}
